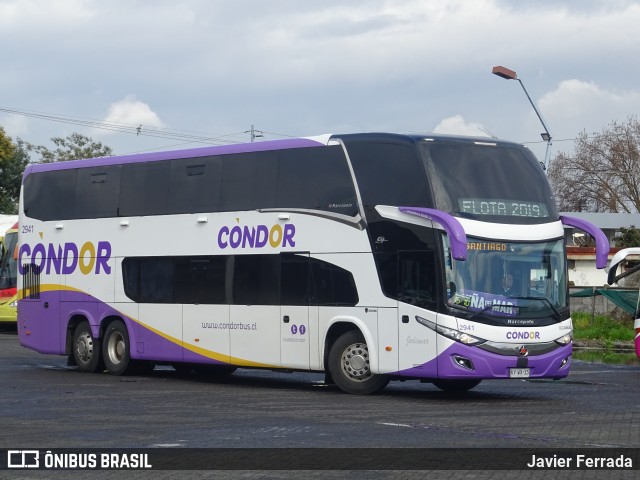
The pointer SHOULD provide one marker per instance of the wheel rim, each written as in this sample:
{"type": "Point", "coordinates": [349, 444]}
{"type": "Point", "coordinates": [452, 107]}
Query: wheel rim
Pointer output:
{"type": "Point", "coordinates": [355, 362]}
{"type": "Point", "coordinates": [84, 347]}
{"type": "Point", "coordinates": [116, 348]}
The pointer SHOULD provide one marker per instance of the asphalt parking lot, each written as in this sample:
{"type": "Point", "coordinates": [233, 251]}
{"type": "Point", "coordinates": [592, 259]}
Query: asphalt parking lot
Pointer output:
{"type": "Point", "coordinates": [47, 405]}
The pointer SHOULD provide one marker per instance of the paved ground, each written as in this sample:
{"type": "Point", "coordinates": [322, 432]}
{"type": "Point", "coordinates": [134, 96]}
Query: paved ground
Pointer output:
{"type": "Point", "coordinates": [45, 404]}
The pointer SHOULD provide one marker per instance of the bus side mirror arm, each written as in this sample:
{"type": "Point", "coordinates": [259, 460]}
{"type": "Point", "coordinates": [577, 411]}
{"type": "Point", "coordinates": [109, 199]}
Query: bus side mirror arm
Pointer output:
{"type": "Point", "coordinates": [455, 230]}
{"type": "Point", "coordinates": [602, 243]}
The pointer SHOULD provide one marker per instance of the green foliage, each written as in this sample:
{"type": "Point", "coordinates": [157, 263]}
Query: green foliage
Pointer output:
{"type": "Point", "coordinates": [74, 147]}
{"type": "Point", "coordinates": [13, 160]}
{"type": "Point", "coordinates": [11, 178]}
{"type": "Point", "coordinates": [601, 327]}
{"type": "Point", "coordinates": [7, 148]}
{"type": "Point", "coordinates": [606, 356]}
{"type": "Point", "coordinates": [629, 237]}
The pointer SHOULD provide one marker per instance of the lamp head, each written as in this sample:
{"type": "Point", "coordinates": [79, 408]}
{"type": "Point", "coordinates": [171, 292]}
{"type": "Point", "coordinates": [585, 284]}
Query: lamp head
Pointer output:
{"type": "Point", "coordinates": [505, 73]}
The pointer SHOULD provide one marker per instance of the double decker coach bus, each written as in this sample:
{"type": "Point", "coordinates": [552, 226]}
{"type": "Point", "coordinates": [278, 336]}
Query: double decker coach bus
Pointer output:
{"type": "Point", "coordinates": [366, 256]}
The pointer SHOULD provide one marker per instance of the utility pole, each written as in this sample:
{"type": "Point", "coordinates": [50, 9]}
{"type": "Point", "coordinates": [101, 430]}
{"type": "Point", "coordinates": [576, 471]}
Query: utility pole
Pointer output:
{"type": "Point", "coordinates": [254, 133]}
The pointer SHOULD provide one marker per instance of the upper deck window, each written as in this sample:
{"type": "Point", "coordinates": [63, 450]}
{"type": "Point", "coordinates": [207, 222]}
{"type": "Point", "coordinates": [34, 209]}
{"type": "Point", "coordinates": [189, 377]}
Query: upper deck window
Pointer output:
{"type": "Point", "coordinates": [297, 178]}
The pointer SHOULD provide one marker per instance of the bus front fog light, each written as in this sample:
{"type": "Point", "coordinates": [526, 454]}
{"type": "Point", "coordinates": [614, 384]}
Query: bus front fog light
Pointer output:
{"type": "Point", "coordinates": [564, 362]}
{"type": "Point", "coordinates": [463, 362]}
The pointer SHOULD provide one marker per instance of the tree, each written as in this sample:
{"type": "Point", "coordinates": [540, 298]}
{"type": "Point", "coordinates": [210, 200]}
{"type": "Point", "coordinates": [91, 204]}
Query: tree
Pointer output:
{"type": "Point", "coordinates": [74, 147]}
{"type": "Point", "coordinates": [13, 160]}
{"type": "Point", "coordinates": [11, 178]}
{"type": "Point", "coordinates": [628, 237]}
{"type": "Point", "coordinates": [604, 173]}
{"type": "Point", "coordinates": [6, 146]}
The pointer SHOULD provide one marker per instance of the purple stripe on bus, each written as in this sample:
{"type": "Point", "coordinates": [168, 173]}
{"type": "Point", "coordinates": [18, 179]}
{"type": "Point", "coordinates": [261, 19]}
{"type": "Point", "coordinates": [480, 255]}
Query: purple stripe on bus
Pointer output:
{"type": "Point", "coordinates": [175, 154]}
{"type": "Point", "coordinates": [49, 333]}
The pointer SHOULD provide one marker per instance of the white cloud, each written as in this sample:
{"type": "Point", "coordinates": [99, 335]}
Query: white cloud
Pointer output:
{"type": "Point", "coordinates": [15, 126]}
{"type": "Point", "coordinates": [576, 105]}
{"type": "Point", "coordinates": [300, 68]}
{"type": "Point", "coordinates": [17, 15]}
{"type": "Point", "coordinates": [457, 125]}
{"type": "Point", "coordinates": [134, 112]}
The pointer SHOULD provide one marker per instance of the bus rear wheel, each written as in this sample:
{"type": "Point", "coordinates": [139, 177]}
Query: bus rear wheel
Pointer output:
{"type": "Point", "coordinates": [87, 353]}
{"type": "Point", "coordinates": [117, 350]}
{"type": "Point", "coordinates": [350, 368]}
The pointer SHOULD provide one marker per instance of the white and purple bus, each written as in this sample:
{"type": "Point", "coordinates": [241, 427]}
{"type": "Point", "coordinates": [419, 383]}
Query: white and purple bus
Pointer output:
{"type": "Point", "coordinates": [369, 257]}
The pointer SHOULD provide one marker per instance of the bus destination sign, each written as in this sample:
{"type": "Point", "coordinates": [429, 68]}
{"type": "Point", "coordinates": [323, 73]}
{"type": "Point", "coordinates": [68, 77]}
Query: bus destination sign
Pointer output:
{"type": "Point", "coordinates": [504, 208]}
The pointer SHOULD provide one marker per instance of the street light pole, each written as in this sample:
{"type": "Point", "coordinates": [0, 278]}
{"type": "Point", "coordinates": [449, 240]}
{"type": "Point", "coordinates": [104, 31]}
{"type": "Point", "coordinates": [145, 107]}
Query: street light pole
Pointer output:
{"type": "Point", "coordinates": [507, 74]}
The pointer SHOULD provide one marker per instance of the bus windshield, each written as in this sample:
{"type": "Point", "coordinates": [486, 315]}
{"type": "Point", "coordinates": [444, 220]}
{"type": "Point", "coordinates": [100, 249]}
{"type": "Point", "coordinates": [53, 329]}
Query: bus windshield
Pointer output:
{"type": "Point", "coordinates": [488, 183]}
{"type": "Point", "coordinates": [8, 271]}
{"type": "Point", "coordinates": [508, 279]}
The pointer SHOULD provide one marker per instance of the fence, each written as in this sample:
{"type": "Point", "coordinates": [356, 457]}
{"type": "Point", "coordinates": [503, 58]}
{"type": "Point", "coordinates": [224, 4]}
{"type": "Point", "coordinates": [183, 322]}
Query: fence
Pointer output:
{"type": "Point", "coordinates": [618, 303]}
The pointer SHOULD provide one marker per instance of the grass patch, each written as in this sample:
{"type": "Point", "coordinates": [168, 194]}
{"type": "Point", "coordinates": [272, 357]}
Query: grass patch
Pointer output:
{"type": "Point", "coordinates": [601, 328]}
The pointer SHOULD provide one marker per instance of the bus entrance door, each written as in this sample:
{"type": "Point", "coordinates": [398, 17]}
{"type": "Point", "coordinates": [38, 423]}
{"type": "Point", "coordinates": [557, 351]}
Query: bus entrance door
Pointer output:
{"type": "Point", "coordinates": [416, 310]}
{"type": "Point", "coordinates": [417, 343]}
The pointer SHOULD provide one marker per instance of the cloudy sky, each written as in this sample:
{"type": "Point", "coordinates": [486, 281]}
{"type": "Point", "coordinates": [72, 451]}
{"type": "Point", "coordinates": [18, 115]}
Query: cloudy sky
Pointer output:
{"type": "Point", "coordinates": [168, 74]}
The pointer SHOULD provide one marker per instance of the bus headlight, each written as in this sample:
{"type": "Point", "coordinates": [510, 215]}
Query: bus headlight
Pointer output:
{"type": "Point", "coordinates": [565, 339]}
{"type": "Point", "coordinates": [451, 333]}
{"type": "Point", "coordinates": [14, 304]}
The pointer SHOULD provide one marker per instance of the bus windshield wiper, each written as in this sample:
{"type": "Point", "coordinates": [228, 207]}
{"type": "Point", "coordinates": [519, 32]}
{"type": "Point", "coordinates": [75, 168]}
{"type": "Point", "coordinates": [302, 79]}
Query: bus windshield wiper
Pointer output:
{"type": "Point", "coordinates": [548, 302]}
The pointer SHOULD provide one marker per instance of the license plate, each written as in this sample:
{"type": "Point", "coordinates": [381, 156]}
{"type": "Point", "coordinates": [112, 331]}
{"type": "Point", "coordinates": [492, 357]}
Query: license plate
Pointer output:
{"type": "Point", "coordinates": [519, 372]}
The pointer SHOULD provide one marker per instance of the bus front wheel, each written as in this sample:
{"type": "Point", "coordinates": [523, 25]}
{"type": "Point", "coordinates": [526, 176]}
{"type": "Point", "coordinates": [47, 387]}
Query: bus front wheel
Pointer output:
{"type": "Point", "coordinates": [350, 368]}
{"type": "Point", "coordinates": [87, 353]}
{"type": "Point", "coordinates": [456, 386]}
{"type": "Point", "coordinates": [116, 349]}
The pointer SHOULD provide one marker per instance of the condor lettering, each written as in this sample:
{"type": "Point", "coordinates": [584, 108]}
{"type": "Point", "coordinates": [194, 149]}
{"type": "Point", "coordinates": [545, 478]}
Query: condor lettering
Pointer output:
{"type": "Point", "coordinates": [65, 259]}
{"type": "Point", "coordinates": [257, 237]}
{"type": "Point", "coordinates": [516, 335]}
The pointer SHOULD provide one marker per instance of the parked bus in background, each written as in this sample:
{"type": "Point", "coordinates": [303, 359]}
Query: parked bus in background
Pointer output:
{"type": "Point", "coordinates": [369, 257]}
{"type": "Point", "coordinates": [9, 276]}
{"type": "Point", "coordinates": [616, 261]}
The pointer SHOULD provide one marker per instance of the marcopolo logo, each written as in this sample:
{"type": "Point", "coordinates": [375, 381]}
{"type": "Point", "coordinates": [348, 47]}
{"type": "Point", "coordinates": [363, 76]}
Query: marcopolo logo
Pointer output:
{"type": "Point", "coordinates": [258, 236]}
{"type": "Point", "coordinates": [65, 259]}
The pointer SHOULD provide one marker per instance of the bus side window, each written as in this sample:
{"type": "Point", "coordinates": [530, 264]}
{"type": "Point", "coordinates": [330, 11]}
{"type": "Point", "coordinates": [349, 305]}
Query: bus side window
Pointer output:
{"type": "Point", "coordinates": [294, 285]}
{"type": "Point", "coordinates": [332, 285]}
{"type": "Point", "coordinates": [144, 189]}
{"type": "Point", "coordinates": [194, 185]}
{"type": "Point", "coordinates": [97, 192]}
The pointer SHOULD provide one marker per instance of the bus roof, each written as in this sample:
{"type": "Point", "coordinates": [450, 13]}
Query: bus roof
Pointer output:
{"type": "Point", "coordinates": [303, 142]}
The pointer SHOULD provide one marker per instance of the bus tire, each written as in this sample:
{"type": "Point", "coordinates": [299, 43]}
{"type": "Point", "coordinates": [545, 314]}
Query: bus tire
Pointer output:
{"type": "Point", "coordinates": [116, 349]}
{"type": "Point", "coordinates": [349, 365]}
{"type": "Point", "coordinates": [456, 386]}
{"type": "Point", "coordinates": [87, 353]}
